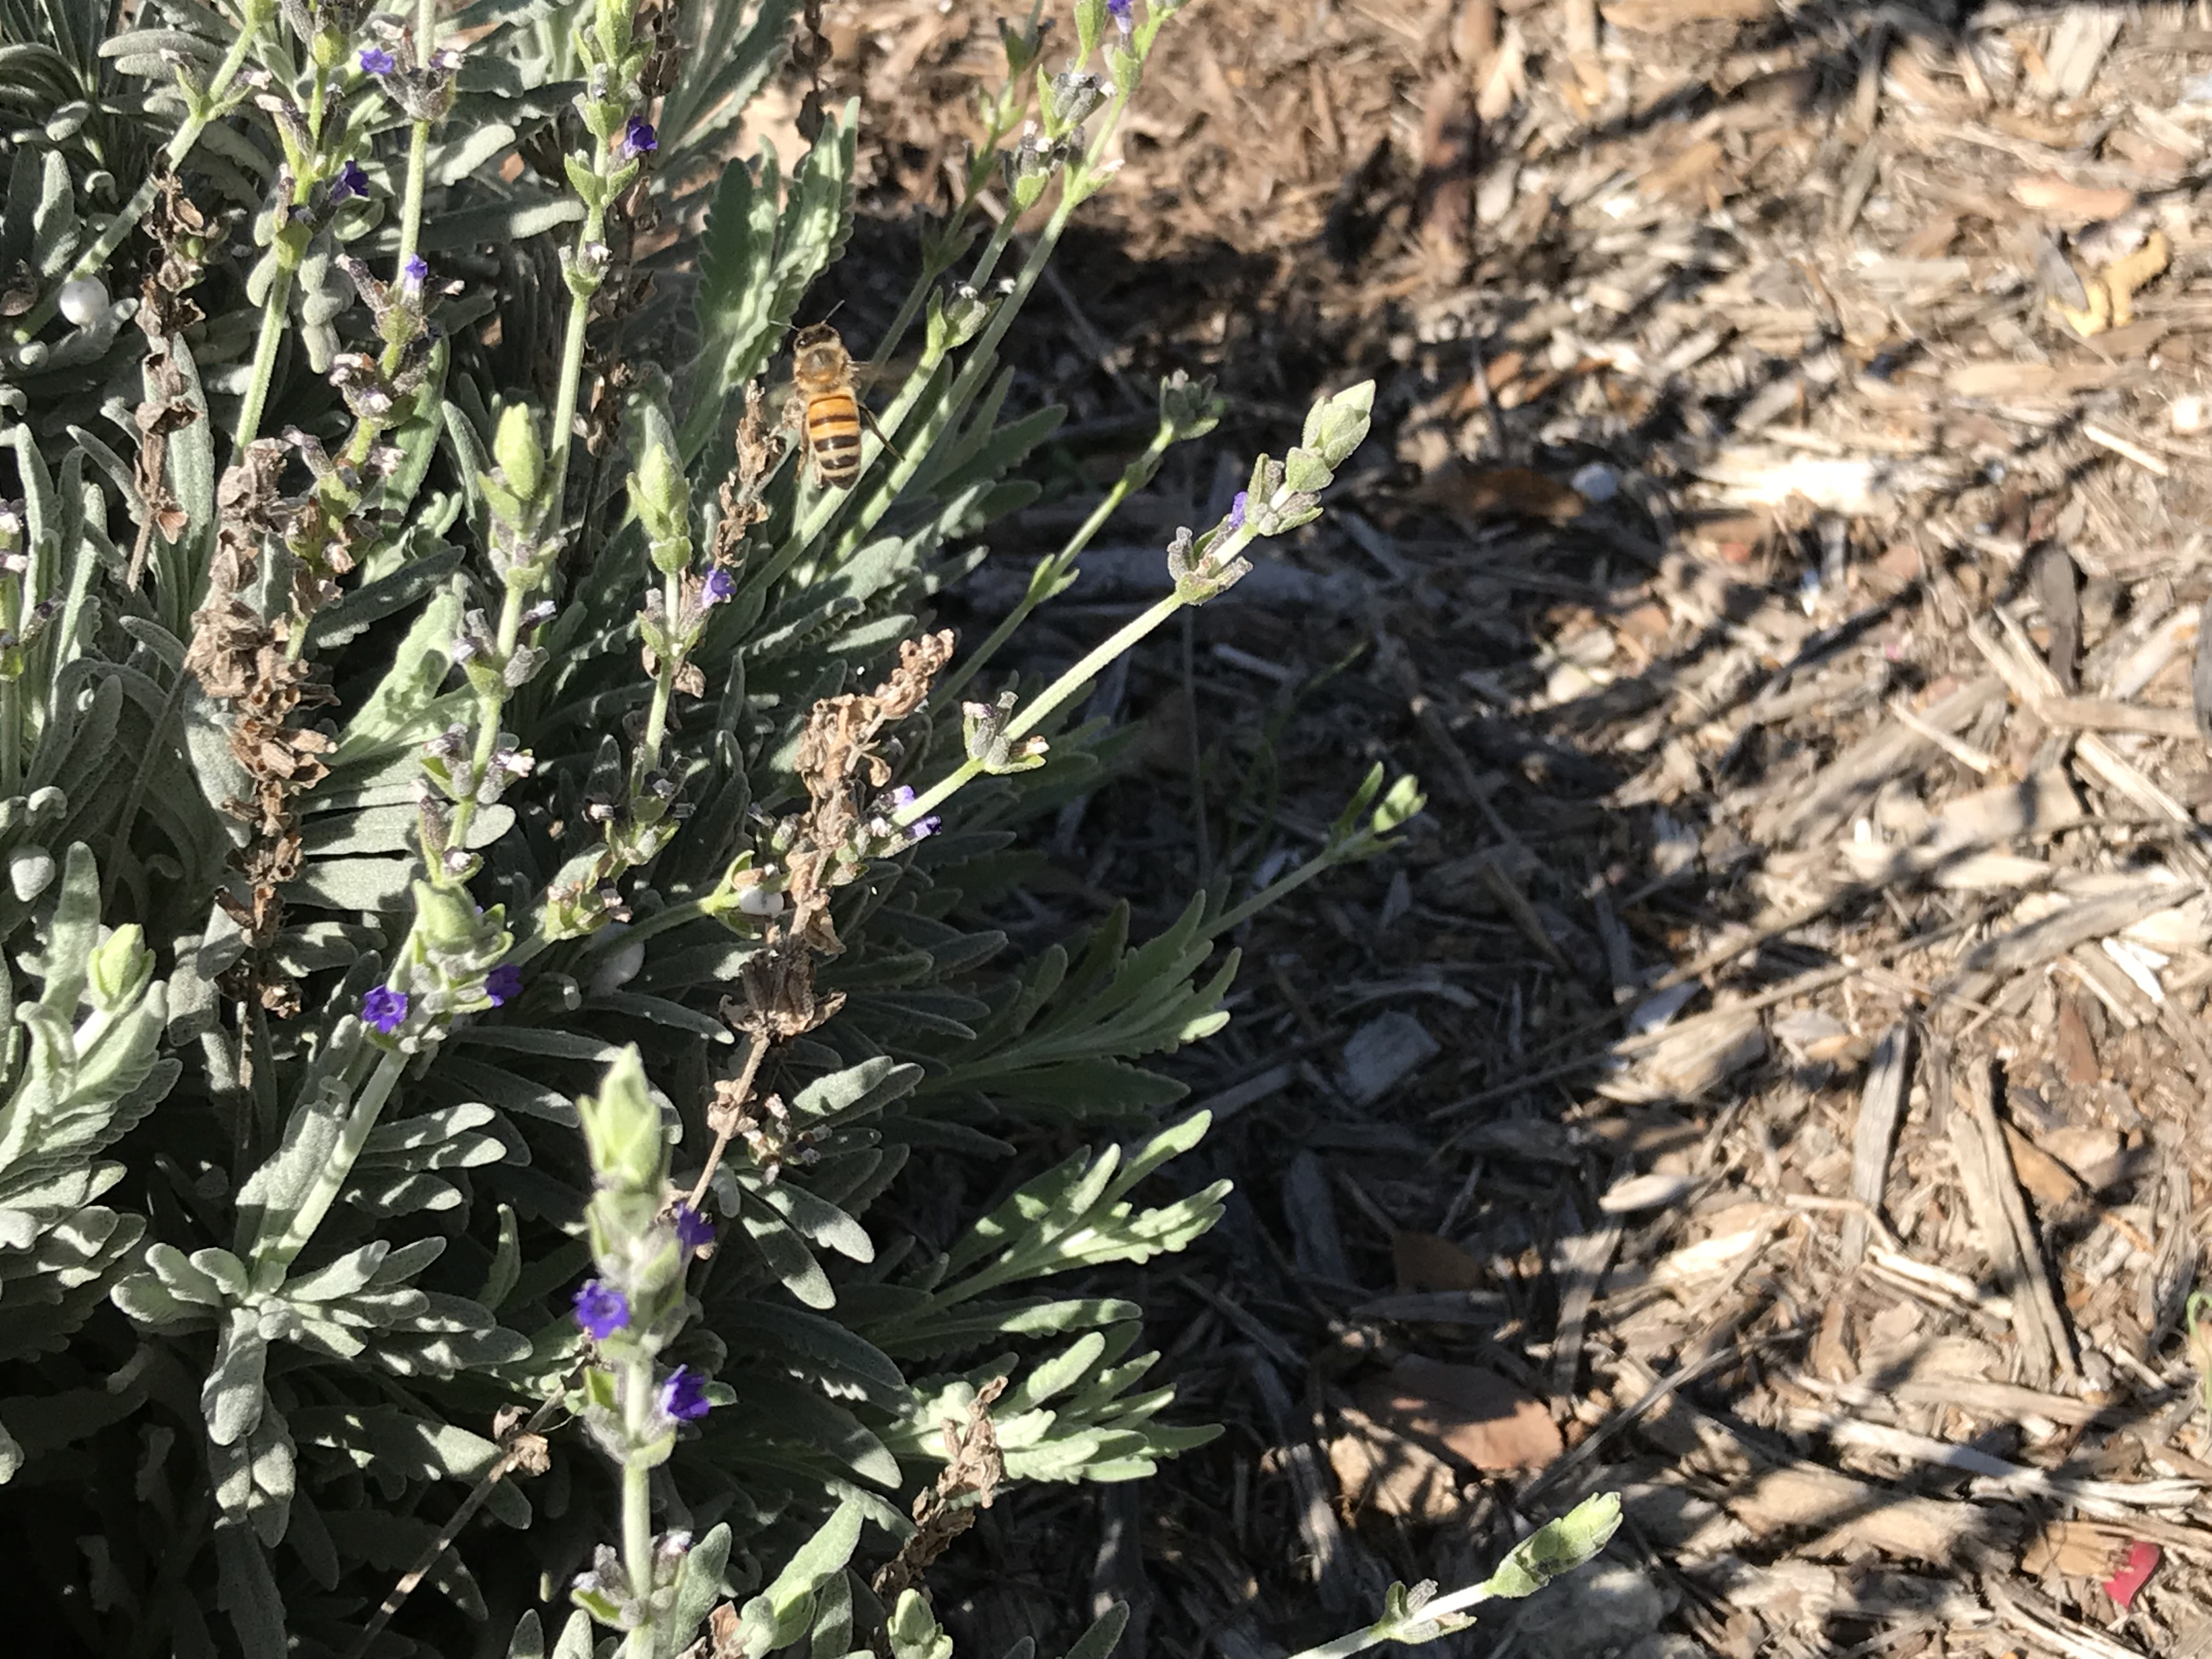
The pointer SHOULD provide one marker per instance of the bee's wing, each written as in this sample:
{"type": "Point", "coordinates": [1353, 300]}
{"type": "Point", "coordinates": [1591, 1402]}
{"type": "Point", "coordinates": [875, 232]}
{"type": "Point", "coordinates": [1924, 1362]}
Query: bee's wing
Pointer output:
{"type": "Point", "coordinates": [2055, 272]}
{"type": "Point", "coordinates": [892, 371]}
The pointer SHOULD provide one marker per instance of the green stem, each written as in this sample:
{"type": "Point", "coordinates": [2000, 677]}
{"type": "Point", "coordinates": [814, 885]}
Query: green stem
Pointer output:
{"type": "Point", "coordinates": [418, 142]}
{"type": "Point", "coordinates": [271, 1260]}
{"type": "Point", "coordinates": [1064, 689]}
{"type": "Point", "coordinates": [572, 361]}
{"type": "Point", "coordinates": [491, 704]}
{"type": "Point", "coordinates": [1047, 702]}
{"type": "Point", "coordinates": [664, 687]}
{"type": "Point", "coordinates": [636, 1382]}
{"type": "Point", "coordinates": [274, 309]}
{"type": "Point", "coordinates": [1005, 115]}
{"type": "Point", "coordinates": [11, 736]}
{"type": "Point", "coordinates": [668, 916]}
{"type": "Point", "coordinates": [1229, 920]}
{"type": "Point", "coordinates": [1443, 1607]}
{"type": "Point", "coordinates": [1046, 580]}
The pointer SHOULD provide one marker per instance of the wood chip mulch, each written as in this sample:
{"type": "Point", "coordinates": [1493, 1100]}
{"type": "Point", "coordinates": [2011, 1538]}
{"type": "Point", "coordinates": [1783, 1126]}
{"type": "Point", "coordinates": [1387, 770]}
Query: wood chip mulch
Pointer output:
{"type": "Point", "coordinates": [1771, 1081]}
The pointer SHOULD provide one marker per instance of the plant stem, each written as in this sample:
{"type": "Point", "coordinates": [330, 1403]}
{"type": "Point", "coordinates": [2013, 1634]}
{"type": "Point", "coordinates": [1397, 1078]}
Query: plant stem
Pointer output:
{"type": "Point", "coordinates": [1229, 920]}
{"type": "Point", "coordinates": [1045, 582]}
{"type": "Point", "coordinates": [572, 361]}
{"type": "Point", "coordinates": [756, 1051]}
{"type": "Point", "coordinates": [272, 1259]}
{"type": "Point", "coordinates": [11, 736]}
{"type": "Point", "coordinates": [419, 142]}
{"type": "Point", "coordinates": [1443, 1607]}
{"type": "Point", "coordinates": [664, 688]}
{"type": "Point", "coordinates": [668, 916]}
{"type": "Point", "coordinates": [1063, 690]}
{"type": "Point", "coordinates": [1041, 709]}
{"type": "Point", "coordinates": [636, 1385]}
{"type": "Point", "coordinates": [491, 704]}
{"type": "Point", "coordinates": [274, 309]}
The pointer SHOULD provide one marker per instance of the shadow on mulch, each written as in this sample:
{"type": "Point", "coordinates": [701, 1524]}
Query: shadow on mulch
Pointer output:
{"type": "Point", "coordinates": [1499, 952]}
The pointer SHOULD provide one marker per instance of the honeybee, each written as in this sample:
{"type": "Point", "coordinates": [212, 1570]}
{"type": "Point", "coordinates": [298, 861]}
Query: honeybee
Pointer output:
{"type": "Point", "coordinates": [823, 409]}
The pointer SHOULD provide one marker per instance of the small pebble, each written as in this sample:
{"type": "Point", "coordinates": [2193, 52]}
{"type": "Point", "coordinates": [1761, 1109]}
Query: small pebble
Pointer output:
{"type": "Point", "coordinates": [2190, 414]}
{"type": "Point", "coordinates": [1595, 483]}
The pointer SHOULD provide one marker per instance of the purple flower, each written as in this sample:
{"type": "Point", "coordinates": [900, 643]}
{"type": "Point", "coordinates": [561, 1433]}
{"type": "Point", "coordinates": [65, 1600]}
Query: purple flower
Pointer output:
{"type": "Point", "coordinates": [352, 181]}
{"type": "Point", "coordinates": [1237, 509]}
{"type": "Point", "coordinates": [683, 1395]}
{"type": "Point", "coordinates": [720, 587]}
{"type": "Point", "coordinates": [694, 1232]}
{"type": "Point", "coordinates": [638, 139]}
{"type": "Point", "coordinates": [414, 273]}
{"type": "Point", "coordinates": [923, 828]}
{"type": "Point", "coordinates": [601, 1310]}
{"type": "Point", "coordinates": [375, 60]}
{"type": "Point", "coordinates": [901, 798]}
{"type": "Point", "coordinates": [384, 1008]}
{"type": "Point", "coordinates": [503, 984]}
{"type": "Point", "coordinates": [1124, 13]}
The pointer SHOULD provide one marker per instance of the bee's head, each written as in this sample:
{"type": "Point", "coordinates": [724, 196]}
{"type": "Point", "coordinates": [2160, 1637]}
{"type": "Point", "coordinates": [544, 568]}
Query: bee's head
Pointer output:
{"type": "Point", "coordinates": [817, 348]}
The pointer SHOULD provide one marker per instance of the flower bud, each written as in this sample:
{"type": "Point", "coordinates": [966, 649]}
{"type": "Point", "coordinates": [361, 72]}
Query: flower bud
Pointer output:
{"type": "Point", "coordinates": [622, 1131]}
{"type": "Point", "coordinates": [1072, 98]}
{"type": "Point", "coordinates": [1336, 426]}
{"type": "Point", "coordinates": [119, 969]}
{"type": "Point", "coordinates": [956, 314]}
{"type": "Point", "coordinates": [1189, 408]}
{"type": "Point", "coordinates": [519, 451]}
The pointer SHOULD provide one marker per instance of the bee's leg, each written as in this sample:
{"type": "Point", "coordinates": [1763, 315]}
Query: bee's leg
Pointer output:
{"type": "Point", "coordinates": [882, 437]}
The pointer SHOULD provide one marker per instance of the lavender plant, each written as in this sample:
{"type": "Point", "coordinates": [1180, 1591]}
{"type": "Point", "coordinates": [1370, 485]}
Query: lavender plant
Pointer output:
{"type": "Point", "coordinates": [431, 728]}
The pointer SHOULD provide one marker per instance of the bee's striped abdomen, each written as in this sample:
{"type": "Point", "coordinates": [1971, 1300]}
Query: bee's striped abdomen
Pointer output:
{"type": "Point", "coordinates": [833, 436]}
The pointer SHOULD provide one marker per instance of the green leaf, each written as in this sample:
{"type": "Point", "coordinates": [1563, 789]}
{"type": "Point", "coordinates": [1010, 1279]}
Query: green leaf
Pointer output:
{"type": "Point", "coordinates": [405, 710]}
{"type": "Point", "coordinates": [698, 1585]}
{"type": "Point", "coordinates": [754, 264]}
{"type": "Point", "coordinates": [856, 1092]}
{"type": "Point", "coordinates": [246, 1592]}
{"type": "Point", "coordinates": [1099, 1640]}
{"type": "Point", "coordinates": [781, 1614]}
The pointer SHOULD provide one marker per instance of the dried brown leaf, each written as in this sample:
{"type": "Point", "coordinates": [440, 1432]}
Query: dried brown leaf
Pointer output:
{"type": "Point", "coordinates": [1500, 492]}
{"type": "Point", "coordinates": [1426, 1262]}
{"type": "Point", "coordinates": [1464, 1411]}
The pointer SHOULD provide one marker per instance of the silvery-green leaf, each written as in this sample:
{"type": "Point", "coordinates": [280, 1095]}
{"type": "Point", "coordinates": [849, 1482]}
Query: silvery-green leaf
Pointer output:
{"type": "Point", "coordinates": [232, 1397]}
{"type": "Point", "coordinates": [246, 1592]}
{"type": "Point", "coordinates": [699, 1585]}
